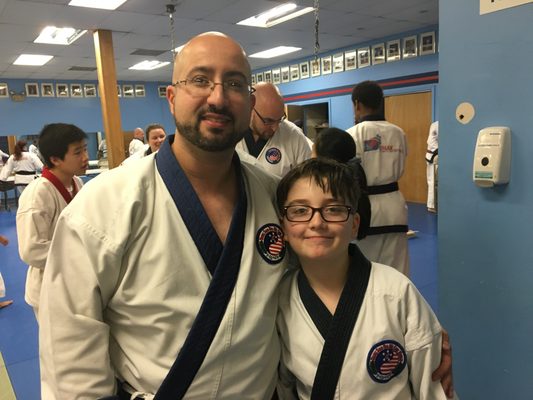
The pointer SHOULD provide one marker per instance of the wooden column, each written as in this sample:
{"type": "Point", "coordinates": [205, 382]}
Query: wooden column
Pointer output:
{"type": "Point", "coordinates": [11, 142]}
{"type": "Point", "coordinates": [105, 62]}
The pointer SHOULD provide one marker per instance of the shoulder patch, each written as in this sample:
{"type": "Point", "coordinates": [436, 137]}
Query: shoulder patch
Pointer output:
{"type": "Point", "coordinates": [386, 360]}
{"type": "Point", "coordinates": [270, 243]}
{"type": "Point", "coordinates": [273, 155]}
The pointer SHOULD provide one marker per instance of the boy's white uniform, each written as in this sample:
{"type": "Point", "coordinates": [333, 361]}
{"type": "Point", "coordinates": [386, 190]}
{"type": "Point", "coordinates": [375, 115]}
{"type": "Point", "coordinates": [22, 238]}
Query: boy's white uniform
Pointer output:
{"type": "Point", "coordinates": [433, 145]}
{"type": "Point", "coordinates": [382, 148]}
{"type": "Point", "coordinates": [285, 149]}
{"type": "Point", "coordinates": [124, 282]}
{"type": "Point", "coordinates": [28, 163]}
{"type": "Point", "coordinates": [393, 315]}
{"type": "Point", "coordinates": [40, 205]}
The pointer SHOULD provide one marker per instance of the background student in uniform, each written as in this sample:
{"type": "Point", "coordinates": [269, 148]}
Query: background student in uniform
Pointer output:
{"type": "Point", "coordinates": [387, 350]}
{"type": "Point", "coordinates": [24, 164]}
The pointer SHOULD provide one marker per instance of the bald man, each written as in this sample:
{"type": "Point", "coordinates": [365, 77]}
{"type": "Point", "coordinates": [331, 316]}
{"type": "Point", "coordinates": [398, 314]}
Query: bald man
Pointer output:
{"type": "Point", "coordinates": [180, 266]}
{"type": "Point", "coordinates": [277, 144]}
{"type": "Point", "coordinates": [137, 143]}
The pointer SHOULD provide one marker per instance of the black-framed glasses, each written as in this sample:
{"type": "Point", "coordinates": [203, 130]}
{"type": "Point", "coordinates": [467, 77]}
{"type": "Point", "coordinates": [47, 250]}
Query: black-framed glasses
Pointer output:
{"type": "Point", "coordinates": [270, 121]}
{"type": "Point", "coordinates": [201, 86]}
{"type": "Point", "coordinates": [331, 213]}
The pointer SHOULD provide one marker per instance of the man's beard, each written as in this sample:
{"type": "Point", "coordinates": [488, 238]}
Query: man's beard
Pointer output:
{"type": "Point", "coordinates": [192, 133]}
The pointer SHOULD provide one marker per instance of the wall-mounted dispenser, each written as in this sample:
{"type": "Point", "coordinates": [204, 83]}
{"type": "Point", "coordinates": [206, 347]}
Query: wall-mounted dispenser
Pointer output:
{"type": "Point", "coordinates": [492, 158]}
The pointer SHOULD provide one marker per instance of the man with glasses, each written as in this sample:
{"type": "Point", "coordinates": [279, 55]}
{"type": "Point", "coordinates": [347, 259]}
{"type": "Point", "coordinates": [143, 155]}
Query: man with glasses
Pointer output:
{"type": "Point", "coordinates": [277, 144]}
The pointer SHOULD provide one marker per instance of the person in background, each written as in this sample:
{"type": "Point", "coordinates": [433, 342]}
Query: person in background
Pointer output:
{"type": "Point", "coordinates": [277, 144]}
{"type": "Point", "coordinates": [382, 149]}
{"type": "Point", "coordinates": [64, 148]}
{"type": "Point", "coordinates": [24, 164]}
{"type": "Point", "coordinates": [350, 328]}
{"type": "Point", "coordinates": [137, 143]}
{"type": "Point", "coordinates": [3, 158]}
{"type": "Point", "coordinates": [431, 153]}
{"type": "Point", "coordinates": [155, 136]}
{"type": "Point", "coordinates": [4, 242]}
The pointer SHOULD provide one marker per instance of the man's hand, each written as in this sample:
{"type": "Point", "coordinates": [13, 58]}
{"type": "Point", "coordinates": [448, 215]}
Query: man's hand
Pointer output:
{"type": "Point", "coordinates": [444, 371]}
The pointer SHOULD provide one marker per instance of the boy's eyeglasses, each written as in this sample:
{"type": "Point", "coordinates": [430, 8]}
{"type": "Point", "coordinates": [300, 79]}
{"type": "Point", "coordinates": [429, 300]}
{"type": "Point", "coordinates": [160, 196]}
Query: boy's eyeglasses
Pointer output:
{"type": "Point", "coordinates": [333, 213]}
{"type": "Point", "coordinates": [200, 86]}
{"type": "Point", "coordinates": [270, 121]}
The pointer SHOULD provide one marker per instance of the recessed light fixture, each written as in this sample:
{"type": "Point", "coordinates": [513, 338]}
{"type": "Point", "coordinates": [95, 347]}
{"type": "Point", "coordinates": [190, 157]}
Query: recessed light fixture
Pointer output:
{"type": "Point", "coordinates": [275, 52]}
{"type": "Point", "coordinates": [32, 59]}
{"type": "Point", "coordinates": [147, 65]}
{"type": "Point", "coordinates": [64, 36]}
{"type": "Point", "coordinates": [102, 4]}
{"type": "Point", "coordinates": [276, 15]}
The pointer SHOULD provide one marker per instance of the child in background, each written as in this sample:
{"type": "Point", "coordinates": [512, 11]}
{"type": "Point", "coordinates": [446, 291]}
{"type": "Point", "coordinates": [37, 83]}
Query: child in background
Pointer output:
{"type": "Point", "coordinates": [395, 345]}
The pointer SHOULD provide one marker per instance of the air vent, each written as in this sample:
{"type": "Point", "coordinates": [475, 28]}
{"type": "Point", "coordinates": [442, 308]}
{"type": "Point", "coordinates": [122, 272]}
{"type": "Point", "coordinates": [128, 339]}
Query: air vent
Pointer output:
{"type": "Point", "coordinates": [148, 52]}
{"type": "Point", "coordinates": [78, 68]}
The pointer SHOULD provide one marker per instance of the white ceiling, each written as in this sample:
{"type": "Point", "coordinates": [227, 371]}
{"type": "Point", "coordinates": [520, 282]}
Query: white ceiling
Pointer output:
{"type": "Point", "coordinates": [145, 24]}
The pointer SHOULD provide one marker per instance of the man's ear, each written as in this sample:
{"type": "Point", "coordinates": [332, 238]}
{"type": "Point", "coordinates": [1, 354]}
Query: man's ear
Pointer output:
{"type": "Point", "coordinates": [171, 93]}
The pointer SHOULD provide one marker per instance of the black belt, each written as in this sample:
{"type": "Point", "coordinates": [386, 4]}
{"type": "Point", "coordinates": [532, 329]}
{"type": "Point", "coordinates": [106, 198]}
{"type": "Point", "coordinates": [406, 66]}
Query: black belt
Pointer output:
{"type": "Point", "coordinates": [380, 189]}
{"type": "Point", "coordinates": [25, 173]}
{"type": "Point", "coordinates": [379, 230]}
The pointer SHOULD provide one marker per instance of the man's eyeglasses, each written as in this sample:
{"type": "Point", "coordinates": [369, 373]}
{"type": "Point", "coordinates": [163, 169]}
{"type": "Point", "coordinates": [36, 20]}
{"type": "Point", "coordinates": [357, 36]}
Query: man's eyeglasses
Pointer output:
{"type": "Point", "coordinates": [200, 86]}
{"type": "Point", "coordinates": [333, 213]}
{"type": "Point", "coordinates": [270, 121]}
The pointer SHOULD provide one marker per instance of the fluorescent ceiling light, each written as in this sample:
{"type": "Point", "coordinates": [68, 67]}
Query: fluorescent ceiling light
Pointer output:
{"type": "Point", "coordinates": [149, 65]}
{"type": "Point", "coordinates": [102, 4]}
{"type": "Point", "coordinates": [32, 59]}
{"type": "Point", "coordinates": [64, 36]}
{"type": "Point", "coordinates": [275, 52]}
{"type": "Point", "coordinates": [276, 15]}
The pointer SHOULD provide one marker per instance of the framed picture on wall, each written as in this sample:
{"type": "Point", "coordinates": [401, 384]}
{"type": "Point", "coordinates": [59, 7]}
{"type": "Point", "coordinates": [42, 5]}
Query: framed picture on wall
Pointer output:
{"type": "Point", "coordinates": [378, 54]}
{"type": "Point", "coordinates": [326, 65]}
{"type": "Point", "coordinates": [89, 89]}
{"type": "Point", "coordinates": [295, 72]}
{"type": "Point", "coordinates": [427, 43]}
{"type": "Point", "coordinates": [76, 90]}
{"type": "Point", "coordinates": [268, 76]}
{"type": "Point", "coordinates": [259, 77]}
{"type": "Point", "coordinates": [410, 48]}
{"type": "Point", "coordinates": [363, 57]}
{"type": "Point", "coordinates": [47, 90]}
{"type": "Point", "coordinates": [162, 91]}
{"type": "Point", "coordinates": [276, 76]}
{"type": "Point", "coordinates": [139, 91]}
{"type": "Point", "coordinates": [253, 79]}
{"type": "Point", "coordinates": [127, 91]}
{"type": "Point", "coordinates": [62, 90]}
{"type": "Point", "coordinates": [285, 75]}
{"type": "Point", "coordinates": [4, 90]}
{"type": "Point", "coordinates": [32, 89]}
{"type": "Point", "coordinates": [393, 50]}
{"type": "Point", "coordinates": [350, 60]}
{"type": "Point", "coordinates": [338, 62]}
{"type": "Point", "coordinates": [304, 70]}
{"type": "Point", "coordinates": [315, 67]}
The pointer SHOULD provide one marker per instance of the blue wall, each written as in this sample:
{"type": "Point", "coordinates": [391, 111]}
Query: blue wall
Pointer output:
{"type": "Point", "coordinates": [485, 267]}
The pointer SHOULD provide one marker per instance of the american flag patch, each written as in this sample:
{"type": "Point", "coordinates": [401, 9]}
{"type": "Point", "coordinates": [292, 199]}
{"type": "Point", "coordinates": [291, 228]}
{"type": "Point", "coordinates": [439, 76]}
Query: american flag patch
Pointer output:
{"type": "Point", "coordinates": [386, 360]}
{"type": "Point", "coordinates": [270, 243]}
{"type": "Point", "coordinates": [273, 155]}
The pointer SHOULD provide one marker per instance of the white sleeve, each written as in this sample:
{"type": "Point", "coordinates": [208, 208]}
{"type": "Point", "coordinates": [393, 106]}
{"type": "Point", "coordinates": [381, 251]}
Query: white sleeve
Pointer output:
{"type": "Point", "coordinates": [80, 277]}
{"type": "Point", "coordinates": [7, 169]}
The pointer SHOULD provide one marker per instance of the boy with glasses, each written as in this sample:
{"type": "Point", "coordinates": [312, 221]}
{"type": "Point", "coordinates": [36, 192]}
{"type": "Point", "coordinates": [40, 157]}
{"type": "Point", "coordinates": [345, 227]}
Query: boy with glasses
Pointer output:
{"type": "Point", "coordinates": [277, 144]}
{"type": "Point", "coordinates": [390, 351]}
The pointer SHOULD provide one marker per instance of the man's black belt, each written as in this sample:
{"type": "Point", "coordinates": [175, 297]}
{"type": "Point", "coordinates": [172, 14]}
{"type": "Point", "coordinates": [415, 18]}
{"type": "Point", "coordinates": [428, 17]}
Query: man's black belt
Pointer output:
{"type": "Point", "coordinates": [380, 189]}
{"type": "Point", "coordinates": [25, 173]}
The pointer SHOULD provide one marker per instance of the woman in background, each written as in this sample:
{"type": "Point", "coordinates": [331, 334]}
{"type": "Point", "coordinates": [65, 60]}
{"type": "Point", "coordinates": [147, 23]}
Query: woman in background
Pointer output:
{"type": "Point", "coordinates": [24, 164]}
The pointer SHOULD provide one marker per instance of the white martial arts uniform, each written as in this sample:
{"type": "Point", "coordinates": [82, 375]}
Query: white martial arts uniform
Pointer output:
{"type": "Point", "coordinates": [136, 145]}
{"type": "Point", "coordinates": [28, 162]}
{"type": "Point", "coordinates": [38, 211]}
{"type": "Point", "coordinates": [433, 145]}
{"type": "Point", "coordinates": [124, 282]}
{"type": "Point", "coordinates": [382, 148]}
{"type": "Point", "coordinates": [285, 149]}
{"type": "Point", "coordinates": [393, 315]}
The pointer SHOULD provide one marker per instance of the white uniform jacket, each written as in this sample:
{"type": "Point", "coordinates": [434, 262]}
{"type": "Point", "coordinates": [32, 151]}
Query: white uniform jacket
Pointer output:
{"type": "Point", "coordinates": [285, 149]}
{"type": "Point", "coordinates": [136, 145]}
{"type": "Point", "coordinates": [29, 162]}
{"type": "Point", "coordinates": [433, 145]}
{"type": "Point", "coordinates": [382, 148]}
{"type": "Point", "coordinates": [40, 205]}
{"type": "Point", "coordinates": [394, 321]}
{"type": "Point", "coordinates": [124, 282]}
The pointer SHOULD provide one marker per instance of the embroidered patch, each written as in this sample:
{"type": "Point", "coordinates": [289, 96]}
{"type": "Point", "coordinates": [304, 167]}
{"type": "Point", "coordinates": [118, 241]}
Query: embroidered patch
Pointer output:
{"type": "Point", "coordinates": [270, 244]}
{"type": "Point", "coordinates": [386, 360]}
{"type": "Point", "coordinates": [372, 144]}
{"type": "Point", "coordinates": [273, 155]}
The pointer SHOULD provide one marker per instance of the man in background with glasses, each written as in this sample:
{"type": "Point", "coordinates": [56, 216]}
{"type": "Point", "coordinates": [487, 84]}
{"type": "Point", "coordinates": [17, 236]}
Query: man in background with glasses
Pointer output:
{"type": "Point", "coordinates": [277, 144]}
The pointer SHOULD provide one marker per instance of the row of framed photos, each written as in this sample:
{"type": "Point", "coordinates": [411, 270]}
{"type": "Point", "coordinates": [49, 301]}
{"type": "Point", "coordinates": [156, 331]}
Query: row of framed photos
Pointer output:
{"type": "Point", "coordinates": [76, 90]}
{"type": "Point", "coordinates": [393, 50]}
